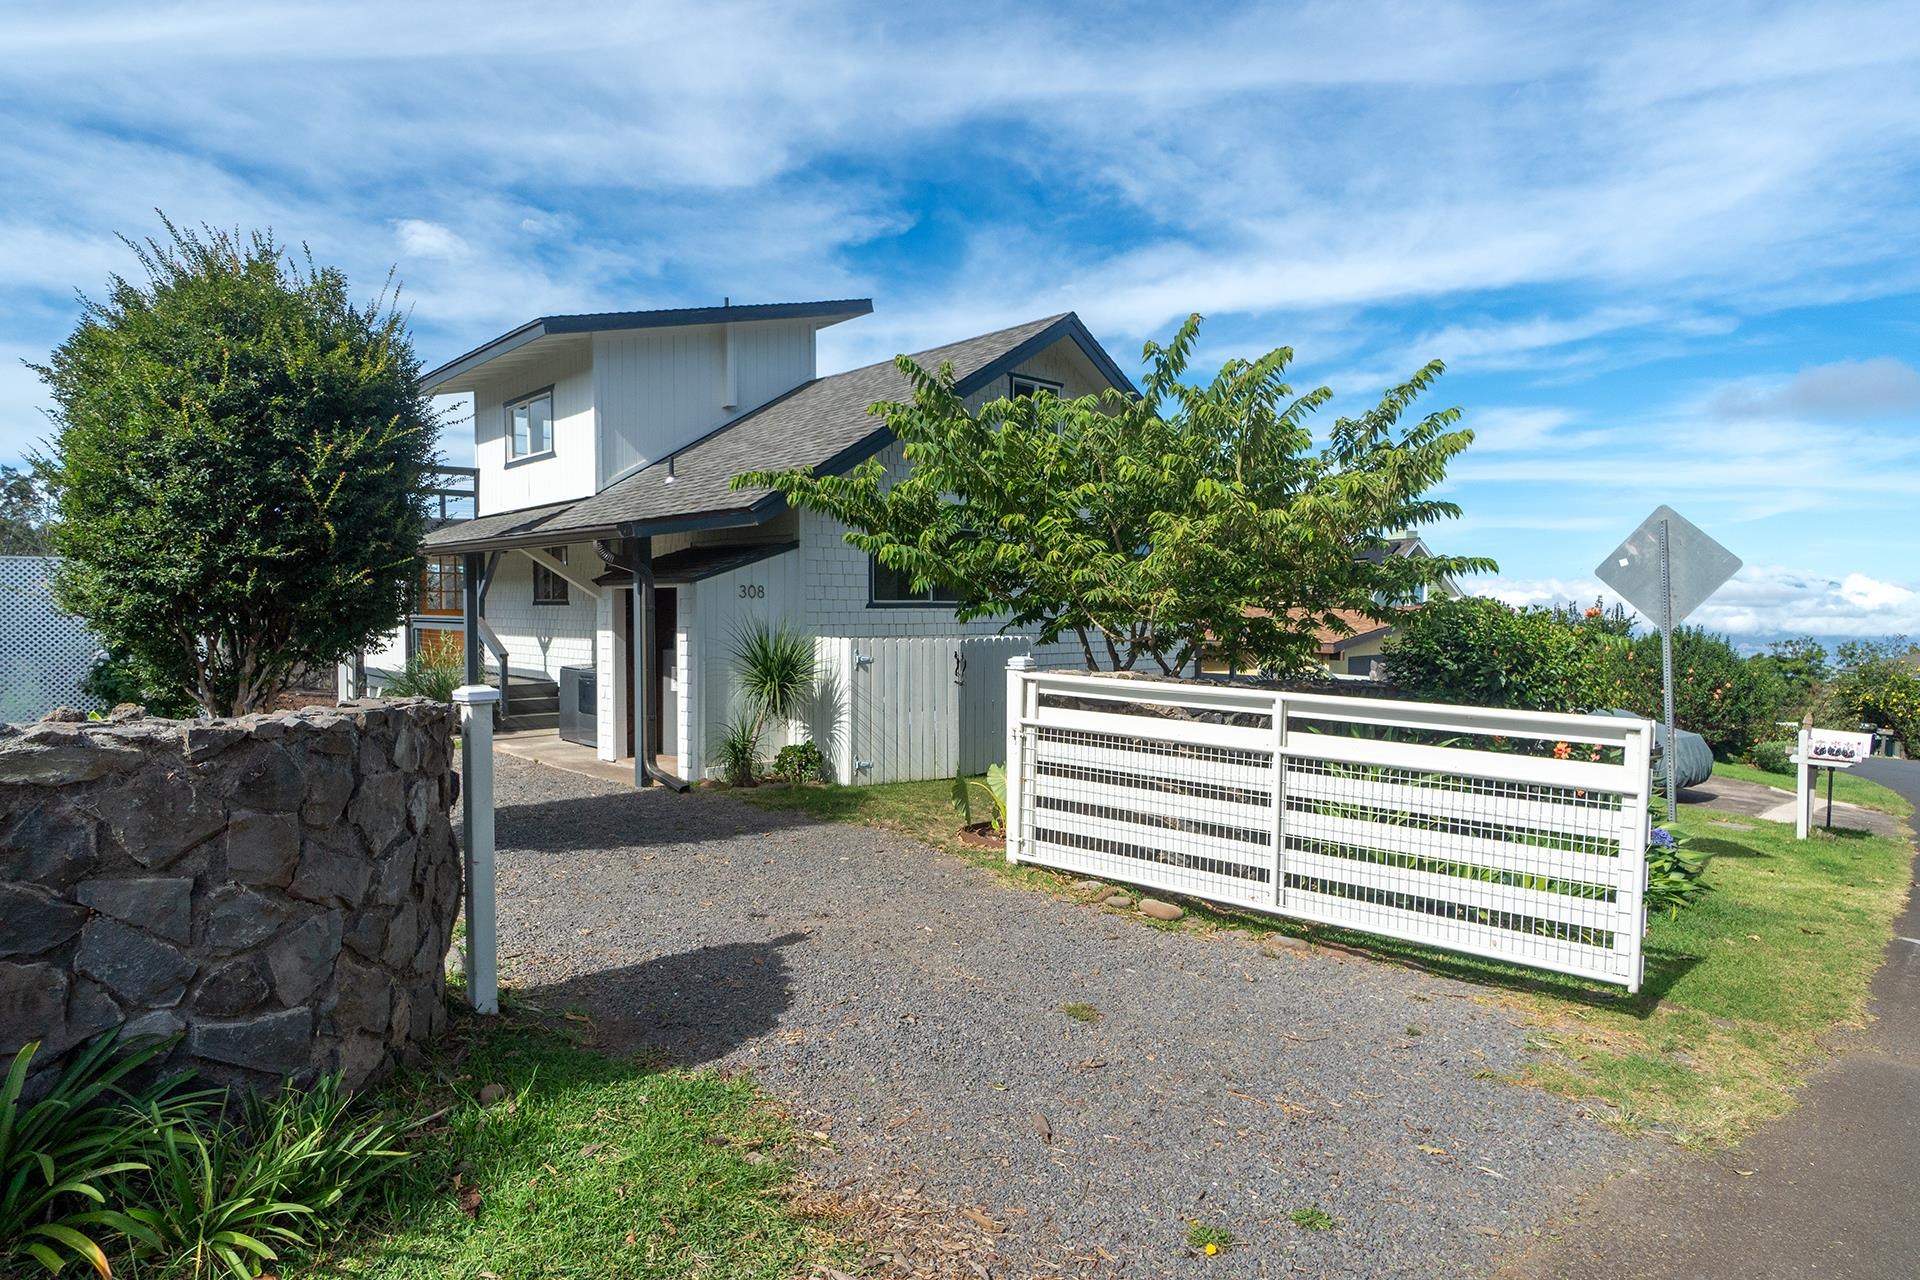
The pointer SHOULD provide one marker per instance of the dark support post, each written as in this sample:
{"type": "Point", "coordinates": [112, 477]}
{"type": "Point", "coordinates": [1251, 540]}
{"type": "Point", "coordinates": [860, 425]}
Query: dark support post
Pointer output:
{"type": "Point", "coordinates": [470, 584]}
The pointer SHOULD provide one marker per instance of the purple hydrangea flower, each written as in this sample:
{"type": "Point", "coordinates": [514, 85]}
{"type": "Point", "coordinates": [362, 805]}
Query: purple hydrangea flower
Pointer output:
{"type": "Point", "coordinates": [1662, 839]}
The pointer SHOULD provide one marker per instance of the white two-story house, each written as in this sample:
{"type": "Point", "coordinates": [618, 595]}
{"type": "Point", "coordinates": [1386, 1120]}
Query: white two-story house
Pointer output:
{"type": "Point", "coordinates": [611, 555]}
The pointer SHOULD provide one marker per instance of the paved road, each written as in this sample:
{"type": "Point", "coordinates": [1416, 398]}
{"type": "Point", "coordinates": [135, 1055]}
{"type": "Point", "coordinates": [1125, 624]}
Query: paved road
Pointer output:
{"type": "Point", "coordinates": [1829, 1191]}
{"type": "Point", "coordinates": [1776, 804]}
{"type": "Point", "coordinates": [912, 1006]}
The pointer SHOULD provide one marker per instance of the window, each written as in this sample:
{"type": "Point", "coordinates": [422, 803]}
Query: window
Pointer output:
{"type": "Point", "coordinates": [442, 585]}
{"type": "Point", "coordinates": [1024, 386]}
{"type": "Point", "coordinates": [530, 425]}
{"type": "Point", "coordinates": [891, 586]}
{"type": "Point", "coordinates": [548, 586]}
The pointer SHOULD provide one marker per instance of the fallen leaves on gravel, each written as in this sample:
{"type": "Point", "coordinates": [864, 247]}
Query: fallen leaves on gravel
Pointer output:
{"type": "Point", "coordinates": [982, 1221]}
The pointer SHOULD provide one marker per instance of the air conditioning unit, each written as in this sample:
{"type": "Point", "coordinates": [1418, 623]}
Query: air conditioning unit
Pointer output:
{"type": "Point", "coordinates": [580, 706]}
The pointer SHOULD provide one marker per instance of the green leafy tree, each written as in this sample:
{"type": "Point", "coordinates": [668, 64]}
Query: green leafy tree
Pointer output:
{"type": "Point", "coordinates": [23, 514]}
{"type": "Point", "coordinates": [1189, 518]}
{"type": "Point", "coordinates": [1878, 684]}
{"type": "Point", "coordinates": [240, 467]}
{"type": "Point", "coordinates": [1802, 668]}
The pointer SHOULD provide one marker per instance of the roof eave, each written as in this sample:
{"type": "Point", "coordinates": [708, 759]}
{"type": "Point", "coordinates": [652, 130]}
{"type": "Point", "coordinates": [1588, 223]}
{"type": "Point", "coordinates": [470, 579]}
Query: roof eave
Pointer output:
{"type": "Point", "coordinates": [832, 312]}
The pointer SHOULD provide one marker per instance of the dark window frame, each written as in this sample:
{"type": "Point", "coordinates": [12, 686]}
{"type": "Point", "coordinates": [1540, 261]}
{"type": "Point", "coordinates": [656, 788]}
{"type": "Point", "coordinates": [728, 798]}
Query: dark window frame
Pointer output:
{"type": "Point", "coordinates": [875, 601]}
{"type": "Point", "coordinates": [556, 596]}
{"type": "Point", "coordinates": [506, 420]}
{"type": "Point", "coordinates": [1036, 385]}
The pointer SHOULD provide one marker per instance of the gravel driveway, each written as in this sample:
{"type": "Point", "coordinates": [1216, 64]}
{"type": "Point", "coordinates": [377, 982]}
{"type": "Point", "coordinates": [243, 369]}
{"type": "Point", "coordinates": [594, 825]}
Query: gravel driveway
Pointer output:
{"type": "Point", "coordinates": [911, 1006]}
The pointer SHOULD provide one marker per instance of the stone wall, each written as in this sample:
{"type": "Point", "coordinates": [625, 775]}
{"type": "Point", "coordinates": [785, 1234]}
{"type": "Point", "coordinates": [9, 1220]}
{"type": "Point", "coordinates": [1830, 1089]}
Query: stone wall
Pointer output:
{"type": "Point", "coordinates": [281, 889]}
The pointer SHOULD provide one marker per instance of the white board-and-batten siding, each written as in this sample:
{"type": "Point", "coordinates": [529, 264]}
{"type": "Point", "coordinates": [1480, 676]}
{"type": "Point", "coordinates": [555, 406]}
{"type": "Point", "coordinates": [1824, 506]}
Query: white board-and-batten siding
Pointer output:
{"type": "Point", "coordinates": [508, 485]}
{"type": "Point", "coordinates": [661, 389]}
{"type": "Point", "coordinates": [627, 398]}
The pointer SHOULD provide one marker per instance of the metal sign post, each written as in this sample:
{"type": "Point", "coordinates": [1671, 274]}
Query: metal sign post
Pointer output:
{"type": "Point", "coordinates": [1666, 569]}
{"type": "Point", "coordinates": [1666, 668]}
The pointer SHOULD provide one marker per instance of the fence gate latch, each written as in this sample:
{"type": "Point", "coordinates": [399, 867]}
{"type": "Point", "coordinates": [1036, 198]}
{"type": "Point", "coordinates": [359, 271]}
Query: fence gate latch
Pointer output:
{"type": "Point", "coordinates": [959, 667]}
{"type": "Point", "coordinates": [862, 660]}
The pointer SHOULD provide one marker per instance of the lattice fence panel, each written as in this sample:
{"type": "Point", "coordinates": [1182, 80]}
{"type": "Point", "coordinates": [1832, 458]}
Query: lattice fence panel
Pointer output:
{"type": "Point", "coordinates": [1509, 835]}
{"type": "Point", "coordinates": [44, 653]}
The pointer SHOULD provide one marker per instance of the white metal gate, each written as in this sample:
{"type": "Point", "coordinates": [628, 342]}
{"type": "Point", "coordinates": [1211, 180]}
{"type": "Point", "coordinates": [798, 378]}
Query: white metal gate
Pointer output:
{"type": "Point", "coordinates": [1514, 835]}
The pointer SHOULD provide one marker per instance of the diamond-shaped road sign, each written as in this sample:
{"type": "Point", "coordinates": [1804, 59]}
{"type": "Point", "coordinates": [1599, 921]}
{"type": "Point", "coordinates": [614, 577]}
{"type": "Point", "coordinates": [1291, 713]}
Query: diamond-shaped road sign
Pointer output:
{"type": "Point", "coordinates": [1697, 566]}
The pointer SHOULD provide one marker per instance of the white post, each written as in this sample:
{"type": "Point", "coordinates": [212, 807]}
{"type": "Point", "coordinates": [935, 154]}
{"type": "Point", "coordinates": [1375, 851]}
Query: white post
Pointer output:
{"type": "Point", "coordinates": [1017, 669]}
{"type": "Point", "coordinates": [1802, 792]}
{"type": "Point", "coordinates": [476, 703]}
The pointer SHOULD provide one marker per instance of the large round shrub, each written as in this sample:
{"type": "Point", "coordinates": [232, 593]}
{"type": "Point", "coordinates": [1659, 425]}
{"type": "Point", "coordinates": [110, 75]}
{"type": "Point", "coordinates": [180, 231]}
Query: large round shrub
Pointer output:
{"type": "Point", "coordinates": [239, 469]}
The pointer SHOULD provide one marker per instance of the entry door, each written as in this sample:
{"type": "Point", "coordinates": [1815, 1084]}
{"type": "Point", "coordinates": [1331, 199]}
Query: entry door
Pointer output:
{"type": "Point", "coordinates": [663, 719]}
{"type": "Point", "coordinates": [625, 610]}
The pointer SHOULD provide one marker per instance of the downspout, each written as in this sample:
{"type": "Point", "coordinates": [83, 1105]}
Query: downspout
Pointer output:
{"type": "Point", "coordinates": [636, 556]}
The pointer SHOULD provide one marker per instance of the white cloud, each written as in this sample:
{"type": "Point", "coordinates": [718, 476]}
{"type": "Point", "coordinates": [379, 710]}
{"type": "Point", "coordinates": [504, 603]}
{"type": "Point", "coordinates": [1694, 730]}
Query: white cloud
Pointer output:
{"type": "Point", "coordinates": [419, 238]}
{"type": "Point", "coordinates": [1844, 389]}
{"type": "Point", "coordinates": [1758, 602]}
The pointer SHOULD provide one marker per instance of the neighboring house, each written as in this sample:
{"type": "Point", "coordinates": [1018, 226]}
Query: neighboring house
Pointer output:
{"type": "Point", "coordinates": [610, 555]}
{"type": "Point", "coordinates": [1356, 646]}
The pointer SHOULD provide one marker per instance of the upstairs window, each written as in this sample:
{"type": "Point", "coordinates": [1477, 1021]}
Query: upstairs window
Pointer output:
{"type": "Point", "coordinates": [548, 586]}
{"type": "Point", "coordinates": [530, 425]}
{"type": "Point", "coordinates": [892, 586]}
{"type": "Point", "coordinates": [1021, 385]}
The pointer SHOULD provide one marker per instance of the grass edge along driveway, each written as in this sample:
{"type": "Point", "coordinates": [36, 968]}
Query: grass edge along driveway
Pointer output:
{"type": "Point", "coordinates": [1739, 990]}
{"type": "Point", "coordinates": [584, 1166]}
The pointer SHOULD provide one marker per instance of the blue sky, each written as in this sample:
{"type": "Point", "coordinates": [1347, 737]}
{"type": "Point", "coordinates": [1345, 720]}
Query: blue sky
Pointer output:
{"type": "Point", "coordinates": [1669, 255]}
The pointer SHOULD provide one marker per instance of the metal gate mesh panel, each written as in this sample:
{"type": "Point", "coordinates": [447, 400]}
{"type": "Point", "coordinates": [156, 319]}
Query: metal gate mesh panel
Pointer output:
{"type": "Point", "coordinates": [1195, 819]}
{"type": "Point", "coordinates": [1510, 835]}
{"type": "Point", "coordinates": [44, 653]}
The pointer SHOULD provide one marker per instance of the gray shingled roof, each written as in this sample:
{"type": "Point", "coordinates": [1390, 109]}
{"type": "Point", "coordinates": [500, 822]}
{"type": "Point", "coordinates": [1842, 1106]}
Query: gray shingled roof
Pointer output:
{"type": "Point", "coordinates": [524, 524]}
{"type": "Point", "coordinates": [822, 424]}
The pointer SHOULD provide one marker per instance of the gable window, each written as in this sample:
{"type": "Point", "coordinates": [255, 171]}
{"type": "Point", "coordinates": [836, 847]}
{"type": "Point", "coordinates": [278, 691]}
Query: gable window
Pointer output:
{"type": "Point", "coordinates": [1021, 385]}
{"type": "Point", "coordinates": [893, 587]}
{"type": "Point", "coordinates": [548, 586]}
{"type": "Point", "coordinates": [530, 425]}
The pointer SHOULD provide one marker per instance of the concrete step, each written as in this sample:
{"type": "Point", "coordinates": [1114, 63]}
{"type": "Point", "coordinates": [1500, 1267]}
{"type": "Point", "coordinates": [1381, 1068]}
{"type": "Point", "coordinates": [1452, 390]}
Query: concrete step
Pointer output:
{"type": "Point", "coordinates": [518, 723]}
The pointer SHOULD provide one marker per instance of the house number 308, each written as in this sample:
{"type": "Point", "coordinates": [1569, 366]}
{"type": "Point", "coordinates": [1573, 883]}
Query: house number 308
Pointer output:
{"type": "Point", "coordinates": [752, 591]}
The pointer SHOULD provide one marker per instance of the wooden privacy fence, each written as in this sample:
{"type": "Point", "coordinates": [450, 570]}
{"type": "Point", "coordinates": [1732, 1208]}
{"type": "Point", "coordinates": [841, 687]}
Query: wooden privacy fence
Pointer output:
{"type": "Point", "coordinates": [1518, 836]}
{"type": "Point", "coordinates": [899, 709]}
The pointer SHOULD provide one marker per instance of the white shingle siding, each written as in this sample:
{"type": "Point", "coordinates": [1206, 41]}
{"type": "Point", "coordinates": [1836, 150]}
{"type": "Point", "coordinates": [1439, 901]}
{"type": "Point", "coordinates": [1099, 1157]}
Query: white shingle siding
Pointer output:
{"type": "Point", "coordinates": [543, 638]}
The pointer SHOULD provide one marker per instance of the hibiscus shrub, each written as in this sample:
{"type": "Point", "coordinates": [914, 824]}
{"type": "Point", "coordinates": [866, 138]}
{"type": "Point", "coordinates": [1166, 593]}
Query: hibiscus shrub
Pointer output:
{"type": "Point", "coordinates": [1483, 653]}
{"type": "Point", "coordinates": [1729, 700]}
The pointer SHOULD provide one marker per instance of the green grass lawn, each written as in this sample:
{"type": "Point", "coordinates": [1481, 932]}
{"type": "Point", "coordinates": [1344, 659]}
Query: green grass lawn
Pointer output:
{"type": "Point", "coordinates": [1738, 989]}
{"type": "Point", "coordinates": [587, 1167]}
{"type": "Point", "coordinates": [1846, 787]}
